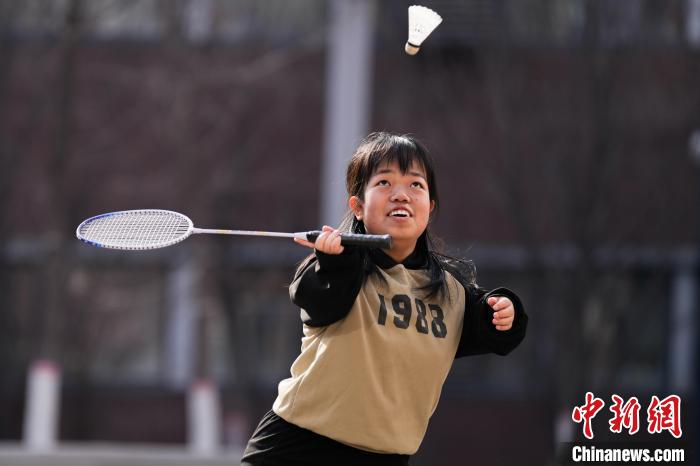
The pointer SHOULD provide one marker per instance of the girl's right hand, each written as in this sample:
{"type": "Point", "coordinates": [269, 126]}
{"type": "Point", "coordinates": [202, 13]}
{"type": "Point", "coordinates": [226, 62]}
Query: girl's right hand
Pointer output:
{"type": "Point", "coordinates": [328, 242]}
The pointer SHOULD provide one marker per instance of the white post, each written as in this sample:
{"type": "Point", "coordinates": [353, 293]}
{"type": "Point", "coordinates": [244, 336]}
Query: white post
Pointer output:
{"type": "Point", "coordinates": [180, 334]}
{"type": "Point", "coordinates": [348, 77]}
{"type": "Point", "coordinates": [199, 20]}
{"type": "Point", "coordinates": [692, 24]}
{"type": "Point", "coordinates": [203, 418]}
{"type": "Point", "coordinates": [42, 406]}
{"type": "Point", "coordinates": [682, 331]}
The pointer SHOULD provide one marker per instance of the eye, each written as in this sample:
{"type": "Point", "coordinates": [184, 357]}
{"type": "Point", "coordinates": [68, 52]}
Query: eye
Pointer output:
{"type": "Point", "coordinates": [383, 183]}
{"type": "Point", "coordinates": [418, 184]}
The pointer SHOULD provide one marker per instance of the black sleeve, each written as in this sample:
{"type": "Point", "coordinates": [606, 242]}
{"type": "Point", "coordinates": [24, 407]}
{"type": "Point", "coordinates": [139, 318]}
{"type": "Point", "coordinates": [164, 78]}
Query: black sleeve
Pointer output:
{"type": "Point", "coordinates": [479, 335]}
{"type": "Point", "coordinates": [326, 290]}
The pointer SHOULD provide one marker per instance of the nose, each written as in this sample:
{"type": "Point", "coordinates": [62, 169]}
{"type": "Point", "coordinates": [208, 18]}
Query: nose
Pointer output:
{"type": "Point", "coordinates": [400, 195]}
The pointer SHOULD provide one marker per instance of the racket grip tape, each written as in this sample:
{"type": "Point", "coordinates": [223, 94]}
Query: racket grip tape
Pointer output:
{"type": "Point", "coordinates": [356, 239]}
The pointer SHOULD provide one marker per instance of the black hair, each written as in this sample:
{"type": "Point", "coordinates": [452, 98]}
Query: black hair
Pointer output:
{"type": "Point", "coordinates": [381, 148]}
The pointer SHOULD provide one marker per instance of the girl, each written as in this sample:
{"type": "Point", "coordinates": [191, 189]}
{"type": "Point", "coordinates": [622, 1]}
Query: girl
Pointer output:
{"type": "Point", "coordinates": [381, 327]}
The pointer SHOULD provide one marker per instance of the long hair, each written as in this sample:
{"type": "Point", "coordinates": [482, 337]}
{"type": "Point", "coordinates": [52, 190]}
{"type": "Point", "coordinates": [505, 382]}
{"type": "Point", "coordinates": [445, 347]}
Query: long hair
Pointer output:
{"type": "Point", "coordinates": [379, 149]}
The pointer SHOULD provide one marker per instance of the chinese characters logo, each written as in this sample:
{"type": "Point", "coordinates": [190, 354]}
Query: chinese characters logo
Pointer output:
{"type": "Point", "coordinates": [661, 415]}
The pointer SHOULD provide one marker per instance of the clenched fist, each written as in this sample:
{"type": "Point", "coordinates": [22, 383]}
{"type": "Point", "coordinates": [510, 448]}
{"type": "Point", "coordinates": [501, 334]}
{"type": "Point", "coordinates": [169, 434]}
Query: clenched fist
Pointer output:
{"type": "Point", "coordinates": [328, 241]}
{"type": "Point", "coordinates": [504, 312]}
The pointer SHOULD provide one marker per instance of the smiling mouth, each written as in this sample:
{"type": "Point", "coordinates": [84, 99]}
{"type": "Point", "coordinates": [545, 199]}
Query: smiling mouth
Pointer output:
{"type": "Point", "coordinates": [400, 213]}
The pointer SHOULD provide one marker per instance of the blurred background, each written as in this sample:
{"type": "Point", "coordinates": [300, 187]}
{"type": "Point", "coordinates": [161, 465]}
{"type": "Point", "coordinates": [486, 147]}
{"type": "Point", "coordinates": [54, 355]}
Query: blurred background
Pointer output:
{"type": "Point", "coordinates": [567, 141]}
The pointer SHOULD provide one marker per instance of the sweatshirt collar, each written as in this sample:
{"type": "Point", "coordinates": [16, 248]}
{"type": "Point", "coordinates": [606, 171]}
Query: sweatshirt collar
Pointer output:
{"type": "Point", "coordinates": [416, 260]}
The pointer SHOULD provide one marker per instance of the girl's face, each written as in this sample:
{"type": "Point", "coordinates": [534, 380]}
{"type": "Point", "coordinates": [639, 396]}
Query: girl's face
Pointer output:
{"type": "Point", "coordinates": [395, 203]}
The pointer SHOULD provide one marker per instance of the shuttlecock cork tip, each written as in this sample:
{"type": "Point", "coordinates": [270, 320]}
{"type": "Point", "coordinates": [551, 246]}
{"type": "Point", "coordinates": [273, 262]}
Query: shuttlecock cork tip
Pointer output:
{"type": "Point", "coordinates": [411, 49]}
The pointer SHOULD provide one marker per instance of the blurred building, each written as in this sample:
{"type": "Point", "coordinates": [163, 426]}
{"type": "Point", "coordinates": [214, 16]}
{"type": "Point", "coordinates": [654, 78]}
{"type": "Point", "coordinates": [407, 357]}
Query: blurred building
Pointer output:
{"type": "Point", "coordinates": [560, 130]}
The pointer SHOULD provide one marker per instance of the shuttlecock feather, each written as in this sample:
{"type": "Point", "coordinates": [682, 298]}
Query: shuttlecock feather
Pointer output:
{"type": "Point", "coordinates": [421, 22]}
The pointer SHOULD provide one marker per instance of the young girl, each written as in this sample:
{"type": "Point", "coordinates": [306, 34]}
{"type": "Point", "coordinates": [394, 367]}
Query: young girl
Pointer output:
{"type": "Point", "coordinates": [381, 327]}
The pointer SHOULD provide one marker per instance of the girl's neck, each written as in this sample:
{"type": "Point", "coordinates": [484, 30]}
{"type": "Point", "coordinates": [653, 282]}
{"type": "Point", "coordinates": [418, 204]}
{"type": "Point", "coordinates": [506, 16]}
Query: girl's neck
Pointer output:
{"type": "Point", "coordinates": [399, 252]}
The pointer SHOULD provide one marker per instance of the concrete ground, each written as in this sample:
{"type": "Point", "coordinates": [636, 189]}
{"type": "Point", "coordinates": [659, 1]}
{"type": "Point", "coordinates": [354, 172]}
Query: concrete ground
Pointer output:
{"type": "Point", "coordinates": [15, 454]}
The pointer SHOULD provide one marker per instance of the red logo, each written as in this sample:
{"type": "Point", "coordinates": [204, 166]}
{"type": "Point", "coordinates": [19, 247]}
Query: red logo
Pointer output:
{"type": "Point", "coordinates": [587, 412]}
{"type": "Point", "coordinates": [661, 415]}
{"type": "Point", "coordinates": [625, 415]}
{"type": "Point", "coordinates": [665, 415]}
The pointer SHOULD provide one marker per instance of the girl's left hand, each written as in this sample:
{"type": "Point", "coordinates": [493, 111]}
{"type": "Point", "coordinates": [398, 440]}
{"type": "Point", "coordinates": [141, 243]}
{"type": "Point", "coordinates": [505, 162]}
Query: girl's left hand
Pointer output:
{"type": "Point", "coordinates": [504, 312]}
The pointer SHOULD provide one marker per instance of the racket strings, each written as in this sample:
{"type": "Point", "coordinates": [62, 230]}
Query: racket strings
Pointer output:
{"type": "Point", "coordinates": [137, 230]}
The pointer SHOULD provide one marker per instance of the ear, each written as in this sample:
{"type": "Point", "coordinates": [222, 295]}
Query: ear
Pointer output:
{"type": "Point", "coordinates": [432, 206]}
{"type": "Point", "coordinates": [355, 205]}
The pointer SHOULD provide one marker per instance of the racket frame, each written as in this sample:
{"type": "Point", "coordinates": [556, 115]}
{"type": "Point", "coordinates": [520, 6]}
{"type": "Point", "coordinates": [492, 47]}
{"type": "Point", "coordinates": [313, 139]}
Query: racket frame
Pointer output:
{"type": "Point", "coordinates": [121, 213]}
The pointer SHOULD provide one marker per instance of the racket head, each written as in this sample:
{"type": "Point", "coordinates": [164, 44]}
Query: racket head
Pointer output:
{"type": "Point", "coordinates": [135, 230]}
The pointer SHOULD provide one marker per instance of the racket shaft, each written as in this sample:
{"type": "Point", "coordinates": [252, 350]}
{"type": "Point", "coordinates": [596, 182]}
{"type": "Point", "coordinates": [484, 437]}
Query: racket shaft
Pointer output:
{"type": "Point", "coordinates": [242, 232]}
{"type": "Point", "coordinates": [346, 239]}
{"type": "Point", "coordinates": [355, 239]}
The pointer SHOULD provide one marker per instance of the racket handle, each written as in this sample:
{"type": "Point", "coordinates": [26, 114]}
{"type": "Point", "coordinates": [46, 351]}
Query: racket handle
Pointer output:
{"type": "Point", "coordinates": [356, 239]}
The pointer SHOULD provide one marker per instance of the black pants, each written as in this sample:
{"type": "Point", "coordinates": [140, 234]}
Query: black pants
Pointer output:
{"type": "Point", "coordinates": [277, 442]}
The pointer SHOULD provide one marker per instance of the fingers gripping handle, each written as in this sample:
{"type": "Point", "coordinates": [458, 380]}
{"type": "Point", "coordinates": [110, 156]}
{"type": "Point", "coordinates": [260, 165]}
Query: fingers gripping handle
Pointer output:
{"type": "Point", "coordinates": [355, 239]}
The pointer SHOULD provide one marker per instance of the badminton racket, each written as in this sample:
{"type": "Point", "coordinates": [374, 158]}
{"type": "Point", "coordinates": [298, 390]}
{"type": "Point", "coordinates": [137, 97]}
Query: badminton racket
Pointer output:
{"type": "Point", "coordinates": [154, 228]}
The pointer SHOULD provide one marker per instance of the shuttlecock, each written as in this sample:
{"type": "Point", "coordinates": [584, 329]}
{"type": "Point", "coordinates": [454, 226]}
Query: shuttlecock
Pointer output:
{"type": "Point", "coordinates": [421, 22]}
